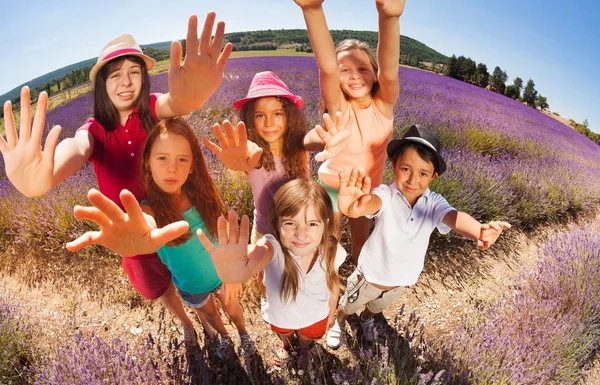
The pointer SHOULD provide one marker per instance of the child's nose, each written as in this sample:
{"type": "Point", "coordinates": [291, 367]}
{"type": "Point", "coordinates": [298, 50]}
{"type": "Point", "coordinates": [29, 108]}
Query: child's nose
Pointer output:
{"type": "Point", "coordinates": [301, 232]}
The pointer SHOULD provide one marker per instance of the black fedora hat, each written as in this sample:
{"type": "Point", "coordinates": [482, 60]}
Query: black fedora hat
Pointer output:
{"type": "Point", "coordinates": [426, 138]}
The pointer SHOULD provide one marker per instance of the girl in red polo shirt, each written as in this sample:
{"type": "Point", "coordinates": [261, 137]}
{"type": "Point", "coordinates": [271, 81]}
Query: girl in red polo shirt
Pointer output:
{"type": "Point", "coordinates": [124, 111]}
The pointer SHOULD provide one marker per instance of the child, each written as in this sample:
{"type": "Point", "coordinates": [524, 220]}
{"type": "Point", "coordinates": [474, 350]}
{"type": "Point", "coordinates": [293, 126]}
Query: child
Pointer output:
{"type": "Point", "coordinates": [179, 186]}
{"type": "Point", "coordinates": [406, 213]}
{"type": "Point", "coordinates": [300, 258]}
{"type": "Point", "coordinates": [352, 79]}
{"type": "Point", "coordinates": [124, 111]}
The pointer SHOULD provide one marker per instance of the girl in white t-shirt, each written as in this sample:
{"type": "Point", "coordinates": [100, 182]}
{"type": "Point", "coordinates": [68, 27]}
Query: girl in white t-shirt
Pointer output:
{"type": "Point", "coordinates": [300, 258]}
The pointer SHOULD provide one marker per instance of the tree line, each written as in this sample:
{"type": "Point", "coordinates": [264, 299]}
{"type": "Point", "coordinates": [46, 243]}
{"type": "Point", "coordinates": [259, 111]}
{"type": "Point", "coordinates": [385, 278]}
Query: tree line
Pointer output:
{"type": "Point", "coordinates": [467, 70]}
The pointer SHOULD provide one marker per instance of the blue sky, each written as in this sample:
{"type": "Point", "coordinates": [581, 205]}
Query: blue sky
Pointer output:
{"type": "Point", "coordinates": [552, 42]}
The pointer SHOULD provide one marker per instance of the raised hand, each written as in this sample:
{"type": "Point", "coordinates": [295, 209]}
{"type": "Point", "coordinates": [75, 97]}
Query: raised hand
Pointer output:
{"type": "Point", "coordinates": [236, 151]}
{"type": "Point", "coordinates": [231, 256]}
{"type": "Point", "coordinates": [29, 167]}
{"type": "Point", "coordinates": [390, 8]}
{"type": "Point", "coordinates": [308, 3]}
{"type": "Point", "coordinates": [230, 291]}
{"type": "Point", "coordinates": [192, 82]}
{"type": "Point", "coordinates": [354, 193]}
{"type": "Point", "coordinates": [490, 233]}
{"type": "Point", "coordinates": [336, 136]}
{"type": "Point", "coordinates": [127, 233]}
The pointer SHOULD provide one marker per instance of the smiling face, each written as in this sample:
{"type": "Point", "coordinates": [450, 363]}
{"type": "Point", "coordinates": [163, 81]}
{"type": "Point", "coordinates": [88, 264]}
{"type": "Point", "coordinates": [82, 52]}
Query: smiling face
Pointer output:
{"type": "Point", "coordinates": [270, 122]}
{"type": "Point", "coordinates": [123, 87]}
{"type": "Point", "coordinates": [302, 233]}
{"type": "Point", "coordinates": [413, 174]}
{"type": "Point", "coordinates": [170, 162]}
{"type": "Point", "coordinates": [356, 74]}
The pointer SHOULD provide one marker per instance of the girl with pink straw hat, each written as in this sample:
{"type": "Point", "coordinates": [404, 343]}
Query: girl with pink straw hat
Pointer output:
{"type": "Point", "coordinates": [124, 112]}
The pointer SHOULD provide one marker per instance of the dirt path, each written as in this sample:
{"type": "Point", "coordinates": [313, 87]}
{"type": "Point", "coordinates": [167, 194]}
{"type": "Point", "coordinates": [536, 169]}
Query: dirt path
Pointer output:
{"type": "Point", "coordinates": [446, 293]}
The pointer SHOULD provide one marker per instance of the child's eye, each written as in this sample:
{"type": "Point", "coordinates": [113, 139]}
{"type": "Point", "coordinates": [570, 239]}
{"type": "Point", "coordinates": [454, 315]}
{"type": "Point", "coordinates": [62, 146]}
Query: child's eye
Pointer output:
{"type": "Point", "coordinates": [288, 223]}
{"type": "Point", "coordinates": [424, 174]}
{"type": "Point", "coordinates": [314, 224]}
{"type": "Point", "coordinates": [161, 157]}
{"type": "Point", "coordinates": [344, 70]}
{"type": "Point", "coordinates": [114, 75]}
{"type": "Point", "coordinates": [183, 159]}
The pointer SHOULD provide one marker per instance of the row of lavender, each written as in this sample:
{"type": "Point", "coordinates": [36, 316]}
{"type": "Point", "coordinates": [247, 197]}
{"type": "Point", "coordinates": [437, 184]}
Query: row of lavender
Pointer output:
{"type": "Point", "coordinates": [542, 332]}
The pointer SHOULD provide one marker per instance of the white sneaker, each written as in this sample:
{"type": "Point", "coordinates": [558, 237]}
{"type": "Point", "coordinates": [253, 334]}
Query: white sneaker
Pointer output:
{"type": "Point", "coordinates": [334, 335]}
{"type": "Point", "coordinates": [367, 328]}
{"type": "Point", "coordinates": [225, 347]}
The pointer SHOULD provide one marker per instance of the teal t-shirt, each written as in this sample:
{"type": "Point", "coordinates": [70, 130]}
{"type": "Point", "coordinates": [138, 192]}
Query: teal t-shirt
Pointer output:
{"type": "Point", "coordinates": [192, 269]}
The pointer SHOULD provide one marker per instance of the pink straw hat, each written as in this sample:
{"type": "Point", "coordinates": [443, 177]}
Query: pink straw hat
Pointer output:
{"type": "Point", "coordinates": [120, 46]}
{"type": "Point", "coordinates": [268, 84]}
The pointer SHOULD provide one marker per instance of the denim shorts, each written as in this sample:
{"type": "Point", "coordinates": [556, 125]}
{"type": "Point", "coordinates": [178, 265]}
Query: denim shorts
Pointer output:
{"type": "Point", "coordinates": [197, 300]}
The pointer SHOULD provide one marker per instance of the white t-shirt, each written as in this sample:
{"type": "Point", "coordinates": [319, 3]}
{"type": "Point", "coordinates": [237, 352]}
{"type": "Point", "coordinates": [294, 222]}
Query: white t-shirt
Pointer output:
{"type": "Point", "coordinates": [394, 254]}
{"type": "Point", "coordinates": [312, 301]}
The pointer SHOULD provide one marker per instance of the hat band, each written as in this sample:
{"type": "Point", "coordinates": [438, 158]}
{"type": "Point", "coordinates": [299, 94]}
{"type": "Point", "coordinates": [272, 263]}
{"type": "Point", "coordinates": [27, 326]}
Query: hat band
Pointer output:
{"type": "Point", "coordinates": [121, 52]}
{"type": "Point", "coordinates": [422, 141]}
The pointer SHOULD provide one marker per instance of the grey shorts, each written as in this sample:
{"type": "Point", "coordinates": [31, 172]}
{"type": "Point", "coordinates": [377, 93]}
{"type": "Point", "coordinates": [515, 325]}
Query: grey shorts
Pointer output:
{"type": "Point", "coordinates": [359, 292]}
{"type": "Point", "coordinates": [197, 300]}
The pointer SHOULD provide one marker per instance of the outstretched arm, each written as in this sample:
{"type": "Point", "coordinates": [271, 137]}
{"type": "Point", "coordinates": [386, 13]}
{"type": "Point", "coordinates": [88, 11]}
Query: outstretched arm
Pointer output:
{"type": "Point", "coordinates": [324, 50]}
{"type": "Point", "coordinates": [388, 51]}
{"type": "Point", "coordinates": [329, 141]}
{"type": "Point", "coordinates": [234, 259]}
{"type": "Point", "coordinates": [484, 234]}
{"type": "Point", "coordinates": [354, 197]}
{"type": "Point", "coordinates": [34, 170]}
{"type": "Point", "coordinates": [192, 82]}
{"type": "Point", "coordinates": [127, 233]}
{"type": "Point", "coordinates": [236, 151]}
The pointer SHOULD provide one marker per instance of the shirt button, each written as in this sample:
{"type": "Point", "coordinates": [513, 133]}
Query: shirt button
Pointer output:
{"type": "Point", "coordinates": [132, 154]}
{"type": "Point", "coordinates": [129, 142]}
{"type": "Point", "coordinates": [412, 219]}
{"type": "Point", "coordinates": [126, 130]}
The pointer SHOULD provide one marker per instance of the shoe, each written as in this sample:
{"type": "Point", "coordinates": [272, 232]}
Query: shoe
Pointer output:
{"type": "Point", "coordinates": [367, 328]}
{"type": "Point", "coordinates": [225, 347]}
{"type": "Point", "coordinates": [190, 338]}
{"type": "Point", "coordinates": [247, 345]}
{"type": "Point", "coordinates": [334, 335]}
{"type": "Point", "coordinates": [282, 357]}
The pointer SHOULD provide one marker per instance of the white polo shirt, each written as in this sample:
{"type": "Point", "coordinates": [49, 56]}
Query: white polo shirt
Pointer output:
{"type": "Point", "coordinates": [312, 301]}
{"type": "Point", "coordinates": [394, 254]}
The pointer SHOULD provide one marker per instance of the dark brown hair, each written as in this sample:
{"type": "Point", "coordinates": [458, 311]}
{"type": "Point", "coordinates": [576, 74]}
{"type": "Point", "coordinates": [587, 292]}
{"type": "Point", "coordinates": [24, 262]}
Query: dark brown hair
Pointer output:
{"type": "Point", "coordinates": [105, 112]}
{"type": "Point", "coordinates": [425, 153]}
{"type": "Point", "coordinates": [292, 197]}
{"type": "Point", "coordinates": [295, 158]}
{"type": "Point", "coordinates": [199, 186]}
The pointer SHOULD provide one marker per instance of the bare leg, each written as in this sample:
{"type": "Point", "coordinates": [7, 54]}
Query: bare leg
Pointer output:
{"type": "Point", "coordinates": [304, 342]}
{"type": "Point", "coordinates": [366, 314]}
{"type": "Point", "coordinates": [341, 317]}
{"type": "Point", "coordinates": [212, 316]}
{"type": "Point", "coordinates": [359, 231]}
{"type": "Point", "coordinates": [172, 302]}
{"type": "Point", "coordinates": [261, 285]}
{"type": "Point", "coordinates": [235, 313]}
{"type": "Point", "coordinates": [287, 340]}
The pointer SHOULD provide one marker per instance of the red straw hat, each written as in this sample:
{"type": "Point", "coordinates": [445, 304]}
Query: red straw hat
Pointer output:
{"type": "Point", "coordinates": [268, 84]}
{"type": "Point", "coordinates": [120, 46]}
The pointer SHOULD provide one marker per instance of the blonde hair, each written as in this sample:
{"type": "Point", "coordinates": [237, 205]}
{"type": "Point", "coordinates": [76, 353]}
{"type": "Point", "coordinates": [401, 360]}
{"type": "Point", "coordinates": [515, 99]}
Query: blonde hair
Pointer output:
{"type": "Point", "coordinates": [292, 197]}
{"type": "Point", "coordinates": [199, 186]}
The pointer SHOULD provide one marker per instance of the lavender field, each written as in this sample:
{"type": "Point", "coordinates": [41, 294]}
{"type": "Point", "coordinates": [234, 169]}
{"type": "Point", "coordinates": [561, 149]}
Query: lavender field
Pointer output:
{"type": "Point", "coordinates": [506, 161]}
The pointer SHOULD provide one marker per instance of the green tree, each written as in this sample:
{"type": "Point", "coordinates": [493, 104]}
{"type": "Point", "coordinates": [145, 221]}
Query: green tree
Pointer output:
{"type": "Point", "coordinates": [499, 80]}
{"type": "Point", "coordinates": [542, 103]}
{"type": "Point", "coordinates": [483, 76]}
{"type": "Point", "coordinates": [452, 67]}
{"type": "Point", "coordinates": [530, 95]}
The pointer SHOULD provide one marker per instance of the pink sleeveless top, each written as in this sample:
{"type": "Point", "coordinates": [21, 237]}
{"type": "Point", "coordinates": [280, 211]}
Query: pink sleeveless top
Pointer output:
{"type": "Point", "coordinates": [371, 132]}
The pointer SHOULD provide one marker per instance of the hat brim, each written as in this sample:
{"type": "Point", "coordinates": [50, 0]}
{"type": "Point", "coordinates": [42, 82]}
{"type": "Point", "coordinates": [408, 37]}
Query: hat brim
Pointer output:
{"type": "Point", "coordinates": [98, 66]}
{"type": "Point", "coordinates": [238, 104]}
{"type": "Point", "coordinates": [394, 144]}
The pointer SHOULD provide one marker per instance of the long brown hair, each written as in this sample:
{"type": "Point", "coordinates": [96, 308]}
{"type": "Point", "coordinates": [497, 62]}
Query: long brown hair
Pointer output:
{"type": "Point", "coordinates": [199, 186]}
{"type": "Point", "coordinates": [288, 201]}
{"type": "Point", "coordinates": [295, 158]}
{"type": "Point", "coordinates": [105, 112]}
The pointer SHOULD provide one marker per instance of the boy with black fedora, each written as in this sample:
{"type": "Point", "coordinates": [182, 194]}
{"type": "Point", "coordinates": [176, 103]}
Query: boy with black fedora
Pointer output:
{"type": "Point", "coordinates": [406, 213]}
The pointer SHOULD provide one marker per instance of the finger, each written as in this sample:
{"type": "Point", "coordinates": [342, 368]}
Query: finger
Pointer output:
{"type": "Point", "coordinates": [220, 135]}
{"type": "Point", "coordinates": [175, 56]}
{"type": "Point", "coordinates": [244, 230]}
{"type": "Point", "coordinates": [233, 226]}
{"type": "Point", "coordinates": [39, 122]}
{"type": "Point", "coordinates": [24, 130]}
{"type": "Point", "coordinates": [215, 47]}
{"type": "Point", "coordinates": [9, 129]}
{"type": "Point", "coordinates": [214, 148]}
{"type": "Point", "coordinates": [209, 22]}
{"type": "Point", "coordinates": [480, 245]}
{"type": "Point", "coordinates": [131, 205]}
{"type": "Point", "coordinates": [224, 57]}
{"type": "Point", "coordinates": [323, 134]}
{"type": "Point", "coordinates": [242, 134]}
{"type": "Point", "coordinates": [366, 184]}
{"type": "Point", "coordinates": [208, 245]}
{"type": "Point", "coordinates": [108, 207]}
{"type": "Point", "coordinates": [362, 201]}
{"type": "Point", "coordinates": [255, 157]}
{"type": "Point", "coordinates": [329, 124]}
{"type": "Point", "coordinates": [191, 40]}
{"type": "Point", "coordinates": [87, 239]}
{"type": "Point", "coordinates": [50, 147]}
{"type": "Point", "coordinates": [343, 180]}
{"type": "Point", "coordinates": [232, 137]}
{"type": "Point", "coordinates": [222, 231]}
{"type": "Point", "coordinates": [169, 232]}
{"type": "Point", "coordinates": [353, 179]}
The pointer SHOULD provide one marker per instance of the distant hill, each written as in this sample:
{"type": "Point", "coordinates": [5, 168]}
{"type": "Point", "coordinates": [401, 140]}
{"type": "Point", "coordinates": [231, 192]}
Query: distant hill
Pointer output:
{"type": "Point", "coordinates": [254, 40]}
